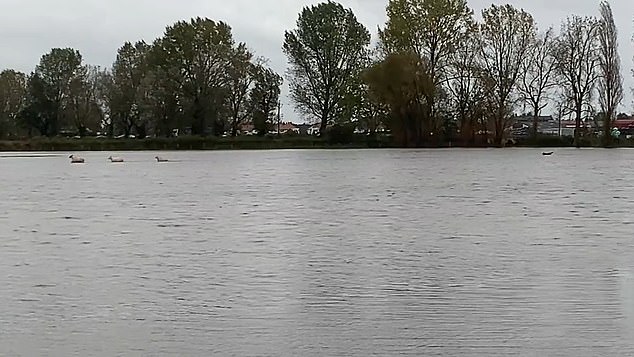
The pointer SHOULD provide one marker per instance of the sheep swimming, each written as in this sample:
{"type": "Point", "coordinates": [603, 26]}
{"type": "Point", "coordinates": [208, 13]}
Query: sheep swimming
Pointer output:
{"type": "Point", "coordinates": [76, 160]}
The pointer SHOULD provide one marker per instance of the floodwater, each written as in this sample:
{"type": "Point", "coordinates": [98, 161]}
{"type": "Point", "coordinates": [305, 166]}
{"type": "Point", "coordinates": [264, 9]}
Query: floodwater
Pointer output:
{"type": "Point", "coordinates": [319, 253]}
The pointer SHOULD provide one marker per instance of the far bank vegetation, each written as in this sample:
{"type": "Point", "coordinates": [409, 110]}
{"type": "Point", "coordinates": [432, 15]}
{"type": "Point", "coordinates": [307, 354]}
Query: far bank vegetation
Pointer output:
{"type": "Point", "coordinates": [436, 76]}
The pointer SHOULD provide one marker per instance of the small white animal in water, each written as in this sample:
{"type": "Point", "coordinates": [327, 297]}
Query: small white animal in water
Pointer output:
{"type": "Point", "coordinates": [76, 160]}
{"type": "Point", "coordinates": [115, 159]}
{"type": "Point", "coordinates": [160, 159]}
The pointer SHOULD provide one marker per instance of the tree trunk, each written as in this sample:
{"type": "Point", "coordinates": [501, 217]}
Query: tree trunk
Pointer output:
{"type": "Point", "coordinates": [128, 128]}
{"type": "Point", "coordinates": [234, 124]}
{"type": "Point", "coordinates": [578, 112]}
{"type": "Point", "coordinates": [323, 127]}
{"type": "Point", "coordinates": [607, 129]}
{"type": "Point", "coordinates": [141, 131]}
{"type": "Point", "coordinates": [535, 123]}
{"type": "Point", "coordinates": [198, 123]}
{"type": "Point", "coordinates": [110, 128]}
{"type": "Point", "coordinates": [499, 129]}
{"type": "Point", "coordinates": [499, 136]}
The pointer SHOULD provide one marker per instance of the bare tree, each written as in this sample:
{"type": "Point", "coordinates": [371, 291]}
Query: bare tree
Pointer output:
{"type": "Point", "coordinates": [576, 57]}
{"type": "Point", "coordinates": [539, 71]}
{"type": "Point", "coordinates": [610, 80]}
{"type": "Point", "coordinates": [507, 34]}
{"type": "Point", "coordinates": [465, 87]}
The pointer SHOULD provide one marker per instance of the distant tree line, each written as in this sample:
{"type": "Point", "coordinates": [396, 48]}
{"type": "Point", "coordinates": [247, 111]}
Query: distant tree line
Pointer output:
{"type": "Point", "coordinates": [436, 75]}
{"type": "Point", "coordinates": [195, 78]}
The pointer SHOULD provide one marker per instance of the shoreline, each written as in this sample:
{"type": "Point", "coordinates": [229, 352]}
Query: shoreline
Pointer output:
{"type": "Point", "coordinates": [239, 143]}
{"type": "Point", "coordinates": [175, 144]}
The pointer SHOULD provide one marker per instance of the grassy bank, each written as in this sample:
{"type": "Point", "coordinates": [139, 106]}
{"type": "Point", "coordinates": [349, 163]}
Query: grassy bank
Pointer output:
{"type": "Point", "coordinates": [567, 141]}
{"type": "Point", "coordinates": [248, 143]}
{"type": "Point", "coordinates": [184, 143]}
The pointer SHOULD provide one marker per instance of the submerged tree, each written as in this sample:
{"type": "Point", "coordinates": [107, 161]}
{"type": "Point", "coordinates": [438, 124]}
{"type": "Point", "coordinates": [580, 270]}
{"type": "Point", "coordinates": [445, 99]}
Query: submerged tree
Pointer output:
{"type": "Point", "coordinates": [610, 79]}
{"type": "Point", "coordinates": [326, 53]}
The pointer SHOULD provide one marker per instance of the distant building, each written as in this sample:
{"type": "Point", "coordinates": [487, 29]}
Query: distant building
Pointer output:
{"type": "Point", "coordinates": [522, 126]}
{"type": "Point", "coordinates": [314, 130]}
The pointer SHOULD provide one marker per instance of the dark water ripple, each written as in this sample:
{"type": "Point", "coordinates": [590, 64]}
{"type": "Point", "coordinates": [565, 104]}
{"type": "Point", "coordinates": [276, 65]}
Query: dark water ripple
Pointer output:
{"type": "Point", "coordinates": [319, 253]}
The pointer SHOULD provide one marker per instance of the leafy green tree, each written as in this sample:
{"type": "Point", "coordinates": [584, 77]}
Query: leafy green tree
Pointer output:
{"type": "Point", "coordinates": [326, 53]}
{"type": "Point", "coordinates": [433, 30]}
{"type": "Point", "coordinates": [195, 55]}
{"type": "Point", "coordinates": [241, 73]}
{"type": "Point", "coordinates": [360, 110]}
{"type": "Point", "coordinates": [12, 93]}
{"type": "Point", "coordinates": [162, 105]}
{"type": "Point", "coordinates": [126, 91]}
{"type": "Point", "coordinates": [399, 83]}
{"type": "Point", "coordinates": [506, 35]}
{"type": "Point", "coordinates": [39, 111]}
{"type": "Point", "coordinates": [84, 109]}
{"type": "Point", "coordinates": [264, 97]}
{"type": "Point", "coordinates": [50, 89]}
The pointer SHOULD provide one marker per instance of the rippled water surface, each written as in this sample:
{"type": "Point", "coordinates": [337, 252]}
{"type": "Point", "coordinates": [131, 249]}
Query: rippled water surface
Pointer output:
{"type": "Point", "coordinates": [319, 253]}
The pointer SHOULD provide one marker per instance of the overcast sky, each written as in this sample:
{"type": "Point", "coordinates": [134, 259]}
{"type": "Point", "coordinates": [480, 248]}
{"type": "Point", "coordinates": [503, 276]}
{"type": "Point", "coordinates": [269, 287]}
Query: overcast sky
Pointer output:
{"type": "Point", "coordinates": [30, 28]}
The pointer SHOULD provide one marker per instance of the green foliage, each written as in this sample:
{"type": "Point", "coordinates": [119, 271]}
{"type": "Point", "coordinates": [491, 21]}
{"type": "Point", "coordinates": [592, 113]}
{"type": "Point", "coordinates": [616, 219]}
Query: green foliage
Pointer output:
{"type": "Point", "coordinates": [548, 141]}
{"type": "Point", "coordinates": [39, 111]}
{"type": "Point", "coordinates": [264, 98]}
{"type": "Point", "coordinates": [506, 35]}
{"type": "Point", "coordinates": [53, 86]}
{"type": "Point", "coordinates": [399, 82]}
{"type": "Point", "coordinates": [12, 93]}
{"type": "Point", "coordinates": [431, 29]}
{"type": "Point", "coordinates": [84, 109]}
{"type": "Point", "coordinates": [326, 53]}
{"type": "Point", "coordinates": [242, 73]}
{"type": "Point", "coordinates": [436, 77]}
{"type": "Point", "coordinates": [194, 55]}
{"type": "Point", "coordinates": [341, 134]}
{"type": "Point", "coordinates": [127, 89]}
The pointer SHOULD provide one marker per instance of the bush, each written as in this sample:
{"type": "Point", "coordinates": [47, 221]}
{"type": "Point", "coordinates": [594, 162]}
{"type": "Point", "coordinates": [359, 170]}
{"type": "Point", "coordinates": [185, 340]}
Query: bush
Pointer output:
{"type": "Point", "coordinates": [341, 134]}
{"type": "Point", "coordinates": [547, 141]}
